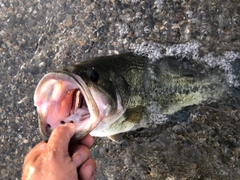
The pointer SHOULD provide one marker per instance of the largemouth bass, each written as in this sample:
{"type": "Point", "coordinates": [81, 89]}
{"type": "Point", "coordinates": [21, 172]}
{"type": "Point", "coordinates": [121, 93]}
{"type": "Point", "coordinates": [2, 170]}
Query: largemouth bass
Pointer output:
{"type": "Point", "coordinates": [108, 95]}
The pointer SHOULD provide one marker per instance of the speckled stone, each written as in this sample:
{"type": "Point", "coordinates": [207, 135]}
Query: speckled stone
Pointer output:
{"type": "Point", "coordinates": [39, 36]}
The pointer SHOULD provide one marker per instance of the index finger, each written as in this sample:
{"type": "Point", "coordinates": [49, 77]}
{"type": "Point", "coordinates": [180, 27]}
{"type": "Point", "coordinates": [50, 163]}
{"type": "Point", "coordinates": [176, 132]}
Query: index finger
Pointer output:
{"type": "Point", "coordinates": [87, 140]}
{"type": "Point", "coordinates": [60, 137]}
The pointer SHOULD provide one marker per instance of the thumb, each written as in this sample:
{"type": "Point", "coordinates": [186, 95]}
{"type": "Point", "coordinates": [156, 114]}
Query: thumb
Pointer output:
{"type": "Point", "coordinates": [60, 137]}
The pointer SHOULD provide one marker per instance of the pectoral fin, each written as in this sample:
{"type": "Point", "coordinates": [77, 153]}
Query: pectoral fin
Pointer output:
{"type": "Point", "coordinates": [117, 138]}
{"type": "Point", "coordinates": [129, 121]}
{"type": "Point", "coordinates": [133, 115]}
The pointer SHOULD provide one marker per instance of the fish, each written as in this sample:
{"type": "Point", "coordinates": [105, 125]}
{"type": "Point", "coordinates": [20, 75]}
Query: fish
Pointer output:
{"type": "Point", "coordinates": [109, 95]}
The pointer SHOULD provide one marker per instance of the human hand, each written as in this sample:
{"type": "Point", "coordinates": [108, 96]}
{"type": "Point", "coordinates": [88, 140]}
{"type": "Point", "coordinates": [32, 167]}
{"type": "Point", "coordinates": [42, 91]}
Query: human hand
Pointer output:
{"type": "Point", "coordinates": [55, 160]}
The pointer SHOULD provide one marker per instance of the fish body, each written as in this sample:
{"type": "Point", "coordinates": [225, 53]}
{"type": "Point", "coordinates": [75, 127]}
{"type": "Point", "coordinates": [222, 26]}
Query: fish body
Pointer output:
{"type": "Point", "coordinates": [109, 95]}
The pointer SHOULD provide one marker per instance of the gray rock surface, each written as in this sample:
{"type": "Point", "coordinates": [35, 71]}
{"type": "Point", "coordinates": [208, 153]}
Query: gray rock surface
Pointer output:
{"type": "Point", "coordinates": [39, 36]}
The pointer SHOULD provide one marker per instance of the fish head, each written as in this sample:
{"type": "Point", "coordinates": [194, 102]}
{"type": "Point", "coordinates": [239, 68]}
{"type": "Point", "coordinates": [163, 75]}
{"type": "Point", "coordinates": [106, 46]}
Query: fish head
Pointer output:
{"type": "Point", "coordinates": [83, 94]}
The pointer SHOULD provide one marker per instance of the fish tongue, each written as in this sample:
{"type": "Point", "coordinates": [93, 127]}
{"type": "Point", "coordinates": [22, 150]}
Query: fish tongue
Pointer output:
{"type": "Point", "coordinates": [81, 114]}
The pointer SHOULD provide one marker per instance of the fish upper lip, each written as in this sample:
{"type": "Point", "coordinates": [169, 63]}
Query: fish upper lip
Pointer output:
{"type": "Point", "coordinates": [42, 94]}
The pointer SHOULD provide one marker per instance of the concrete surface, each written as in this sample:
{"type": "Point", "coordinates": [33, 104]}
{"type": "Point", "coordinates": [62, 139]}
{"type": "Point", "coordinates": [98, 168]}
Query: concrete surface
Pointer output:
{"type": "Point", "coordinates": [38, 36]}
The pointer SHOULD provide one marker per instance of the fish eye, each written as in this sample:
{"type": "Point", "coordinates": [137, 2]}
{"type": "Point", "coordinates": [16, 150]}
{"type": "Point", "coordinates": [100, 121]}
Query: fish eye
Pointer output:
{"type": "Point", "coordinates": [93, 75]}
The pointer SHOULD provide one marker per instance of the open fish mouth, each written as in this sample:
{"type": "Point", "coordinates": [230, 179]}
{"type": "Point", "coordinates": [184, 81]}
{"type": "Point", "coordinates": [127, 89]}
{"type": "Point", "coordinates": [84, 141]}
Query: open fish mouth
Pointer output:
{"type": "Point", "coordinates": [63, 98]}
{"type": "Point", "coordinates": [78, 109]}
